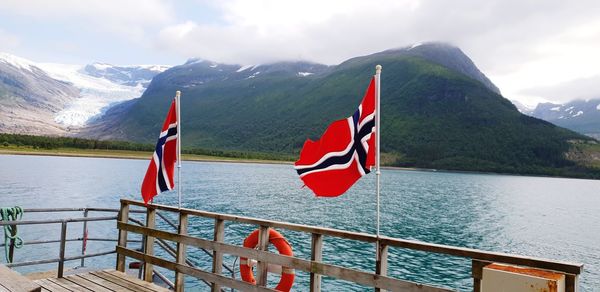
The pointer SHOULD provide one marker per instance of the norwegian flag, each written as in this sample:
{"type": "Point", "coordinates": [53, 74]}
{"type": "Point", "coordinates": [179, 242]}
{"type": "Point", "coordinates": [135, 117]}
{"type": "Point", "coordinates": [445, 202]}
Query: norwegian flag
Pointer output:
{"type": "Point", "coordinates": [345, 152]}
{"type": "Point", "coordinates": [160, 174]}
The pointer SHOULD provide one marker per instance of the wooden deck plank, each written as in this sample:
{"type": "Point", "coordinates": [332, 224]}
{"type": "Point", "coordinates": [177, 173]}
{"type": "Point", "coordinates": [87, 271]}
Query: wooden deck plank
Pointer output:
{"type": "Point", "coordinates": [103, 282]}
{"type": "Point", "coordinates": [3, 289]}
{"type": "Point", "coordinates": [12, 281]}
{"type": "Point", "coordinates": [46, 284]}
{"type": "Point", "coordinates": [87, 284]}
{"type": "Point", "coordinates": [69, 285]}
{"type": "Point", "coordinates": [119, 281]}
{"type": "Point", "coordinates": [137, 281]}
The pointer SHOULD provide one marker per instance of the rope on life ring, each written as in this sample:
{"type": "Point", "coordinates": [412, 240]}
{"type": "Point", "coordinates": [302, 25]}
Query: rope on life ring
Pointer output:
{"type": "Point", "coordinates": [283, 247]}
{"type": "Point", "coordinates": [11, 236]}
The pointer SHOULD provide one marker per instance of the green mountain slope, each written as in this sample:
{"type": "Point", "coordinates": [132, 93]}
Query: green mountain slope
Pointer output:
{"type": "Point", "coordinates": [432, 115]}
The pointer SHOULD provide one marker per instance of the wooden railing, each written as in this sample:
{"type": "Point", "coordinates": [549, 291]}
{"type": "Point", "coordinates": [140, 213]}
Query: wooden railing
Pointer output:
{"type": "Point", "coordinates": [314, 266]}
{"type": "Point", "coordinates": [89, 215]}
{"type": "Point", "coordinates": [63, 239]}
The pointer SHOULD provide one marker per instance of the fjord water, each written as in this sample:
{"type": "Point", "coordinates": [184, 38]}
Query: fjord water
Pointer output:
{"type": "Point", "coordinates": [545, 217]}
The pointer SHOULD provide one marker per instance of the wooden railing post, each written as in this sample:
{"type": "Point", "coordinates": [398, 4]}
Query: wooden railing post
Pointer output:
{"type": "Point", "coordinates": [381, 266]}
{"type": "Point", "coordinates": [61, 256]}
{"type": "Point", "coordinates": [149, 242]}
{"type": "Point", "coordinates": [123, 218]}
{"type": "Point", "coordinates": [316, 255]}
{"type": "Point", "coordinates": [477, 273]}
{"type": "Point", "coordinates": [181, 255]}
{"type": "Point", "coordinates": [571, 284]}
{"type": "Point", "coordinates": [263, 243]}
{"type": "Point", "coordinates": [219, 236]}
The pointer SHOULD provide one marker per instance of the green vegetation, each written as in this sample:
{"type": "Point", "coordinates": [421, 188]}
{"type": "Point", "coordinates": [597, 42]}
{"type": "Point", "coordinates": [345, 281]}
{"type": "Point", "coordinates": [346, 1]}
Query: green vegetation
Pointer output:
{"type": "Point", "coordinates": [585, 153]}
{"type": "Point", "coordinates": [43, 142]}
{"type": "Point", "coordinates": [15, 143]}
{"type": "Point", "coordinates": [432, 117]}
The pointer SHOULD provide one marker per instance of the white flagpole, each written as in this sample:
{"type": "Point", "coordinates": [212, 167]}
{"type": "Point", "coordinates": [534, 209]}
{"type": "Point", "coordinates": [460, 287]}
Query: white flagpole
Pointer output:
{"type": "Point", "coordinates": [177, 97]}
{"type": "Point", "coordinates": [377, 139]}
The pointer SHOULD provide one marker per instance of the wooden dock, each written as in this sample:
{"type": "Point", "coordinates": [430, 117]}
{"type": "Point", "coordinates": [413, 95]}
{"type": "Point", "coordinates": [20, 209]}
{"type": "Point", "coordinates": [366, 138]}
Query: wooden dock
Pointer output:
{"type": "Point", "coordinates": [101, 281]}
{"type": "Point", "coordinates": [174, 240]}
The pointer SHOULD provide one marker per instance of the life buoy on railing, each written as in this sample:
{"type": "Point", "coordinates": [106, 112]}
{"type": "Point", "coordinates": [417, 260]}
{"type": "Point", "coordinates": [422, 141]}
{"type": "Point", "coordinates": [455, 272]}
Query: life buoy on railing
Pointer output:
{"type": "Point", "coordinates": [283, 247]}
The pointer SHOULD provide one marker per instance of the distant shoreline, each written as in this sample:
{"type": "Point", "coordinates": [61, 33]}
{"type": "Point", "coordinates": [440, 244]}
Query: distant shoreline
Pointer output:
{"type": "Point", "coordinates": [143, 155]}
{"type": "Point", "coordinates": [126, 154]}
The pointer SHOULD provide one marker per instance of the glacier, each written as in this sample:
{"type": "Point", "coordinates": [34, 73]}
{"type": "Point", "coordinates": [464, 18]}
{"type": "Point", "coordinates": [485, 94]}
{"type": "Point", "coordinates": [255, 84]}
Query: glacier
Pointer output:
{"type": "Point", "coordinates": [96, 94]}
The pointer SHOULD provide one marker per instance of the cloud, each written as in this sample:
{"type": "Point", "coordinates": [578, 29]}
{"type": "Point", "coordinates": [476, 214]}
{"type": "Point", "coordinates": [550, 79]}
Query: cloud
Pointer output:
{"type": "Point", "coordinates": [518, 43]}
{"type": "Point", "coordinates": [127, 18]}
{"type": "Point", "coordinates": [582, 88]}
{"type": "Point", "coordinates": [263, 31]}
{"type": "Point", "coordinates": [8, 41]}
{"type": "Point", "coordinates": [331, 31]}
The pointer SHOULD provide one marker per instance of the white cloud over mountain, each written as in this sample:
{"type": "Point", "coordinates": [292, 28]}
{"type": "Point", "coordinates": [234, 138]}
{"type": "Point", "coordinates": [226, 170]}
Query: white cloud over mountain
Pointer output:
{"type": "Point", "coordinates": [520, 44]}
{"type": "Point", "coordinates": [8, 41]}
{"type": "Point", "coordinates": [127, 18]}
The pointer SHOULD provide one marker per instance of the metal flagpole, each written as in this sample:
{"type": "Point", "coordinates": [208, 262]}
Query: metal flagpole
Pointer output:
{"type": "Point", "coordinates": [377, 144]}
{"type": "Point", "coordinates": [177, 97]}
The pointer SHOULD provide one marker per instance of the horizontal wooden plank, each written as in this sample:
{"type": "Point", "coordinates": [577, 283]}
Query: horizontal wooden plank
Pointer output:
{"type": "Point", "coordinates": [51, 286]}
{"type": "Point", "coordinates": [560, 266]}
{"type": "Point", "coordinates": [87, 284]}
{"type": "Point", "coordinates": [118, 281]}
{"type": "Point", "coordinates": [137, 281]}
{"type": "Point", "coordinates": [102, 282]}
{"type": "Point", "coordinates": [13, 281]}
{"type": "Point", "coordinates": [338, 272]}
{"type": "Point", "coordinates": [209, 277]}
{"type": "Point", "coordinates": [269, 223]}
{"type": "Point", "coordinates": [69, 285]}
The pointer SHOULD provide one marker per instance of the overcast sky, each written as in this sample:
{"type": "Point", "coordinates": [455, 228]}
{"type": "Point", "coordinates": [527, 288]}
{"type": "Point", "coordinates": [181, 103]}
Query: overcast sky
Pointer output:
{"type": "Point", "coordinates": [532, 50]}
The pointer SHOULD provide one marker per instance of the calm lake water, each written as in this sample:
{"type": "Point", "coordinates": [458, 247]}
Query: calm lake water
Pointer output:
{"type": "Point", "coordinates": [544, 217]}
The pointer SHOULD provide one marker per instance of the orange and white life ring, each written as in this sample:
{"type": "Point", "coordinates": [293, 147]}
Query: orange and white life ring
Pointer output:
{"type": "Point", "coordinates": [283, 247]}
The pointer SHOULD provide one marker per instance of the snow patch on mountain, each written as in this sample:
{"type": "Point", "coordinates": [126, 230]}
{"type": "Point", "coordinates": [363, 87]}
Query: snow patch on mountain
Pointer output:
{"type": "Point", "coordinates": [96, 94]}
{"type": "Point", "coordinates": [253, 75]}
{"type": "Point", "coordinates": [304, 74]}
{"type": "Point", "coordinates": [17, 62]}
{"type": "Point", "coordinates": [598, 107]}
{"type": "Point", "coordinates": [244, 68]}
{"type": "Point", "coordinates": [415, 45]}
{"type": "Point", "coordinates": [579, 113]}
{"type": "Point", "coordinates": [155, 68]}
{"type": "Point", "coordinates": [556, 108]}
{"type": "Point", "coordinates": [101, 66]}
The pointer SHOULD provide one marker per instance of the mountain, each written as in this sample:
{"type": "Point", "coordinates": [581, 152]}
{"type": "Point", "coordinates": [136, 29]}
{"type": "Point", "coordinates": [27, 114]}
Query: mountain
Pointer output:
{"type": "Point", "coordinates": [435, 114]}
{"type": "Point", "coordinates": [133, 75]}
{"type": "Point", "coordinates": [60, 99]}
{"type": "Point", "coordinates": [448, 56]}
{"type": "Point", "coordinates": [30, 98]}
{"type": "Point", "coordinates": [101, 86]}
{"type": "Point", "coordinates": [582, 116]}
{"type": "Point", "coordinates": [524, 109]}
